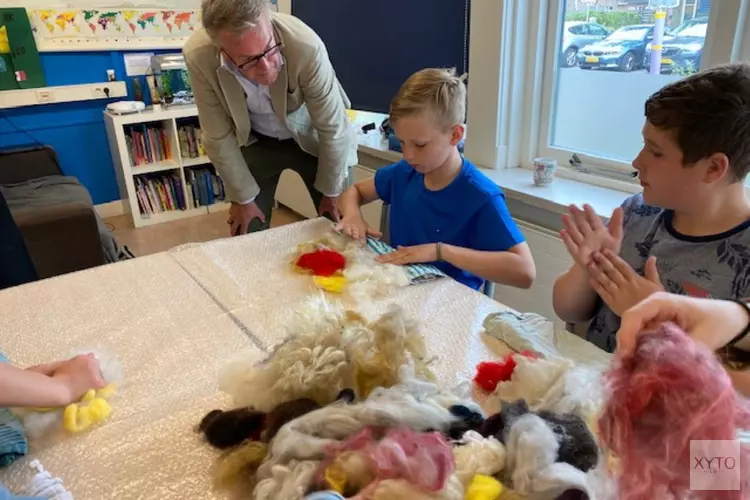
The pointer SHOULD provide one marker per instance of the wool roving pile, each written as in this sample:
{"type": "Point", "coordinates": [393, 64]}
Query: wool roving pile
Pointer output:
{"type": "Point", "coordinates": [668, 392]}
{"type": "Point", "coordinates": [341, 265]}
{"type": "Point", "coordinates": [328, 349]}
{"type": "Point", "coordinates": [348, 408]}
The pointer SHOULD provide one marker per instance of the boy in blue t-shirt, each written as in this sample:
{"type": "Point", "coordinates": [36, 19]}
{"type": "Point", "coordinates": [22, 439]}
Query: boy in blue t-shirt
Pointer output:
{"type": "Point", "coordinates": [443, 210]}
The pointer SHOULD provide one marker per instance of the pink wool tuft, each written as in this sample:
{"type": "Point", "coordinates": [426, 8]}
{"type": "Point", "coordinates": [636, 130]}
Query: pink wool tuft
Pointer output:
{"type": "Point", "coordinates": [668, 392]}
{"type": "Point", "coordinates": [424, 459]}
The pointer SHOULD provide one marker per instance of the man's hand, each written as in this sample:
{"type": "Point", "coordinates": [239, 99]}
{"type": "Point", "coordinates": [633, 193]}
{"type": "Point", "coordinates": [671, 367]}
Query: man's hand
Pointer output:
{"type": "Point", "coordinates": [619, 286]}
{"type": "Point", "coordinates": [585, 233]}
{"type": "Point", "coordinates": [330, 206]}
{"type": "Point", "coordinates": [240, 217]}
{"type": "Point", "coordinates": [355, 227]}
{"type": "Point", "coordinates": [411, 255]}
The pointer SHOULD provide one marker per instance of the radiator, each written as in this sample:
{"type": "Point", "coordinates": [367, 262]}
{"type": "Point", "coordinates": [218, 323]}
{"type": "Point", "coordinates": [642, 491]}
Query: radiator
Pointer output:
{"type": "Point", "coordinates": [551, 259]}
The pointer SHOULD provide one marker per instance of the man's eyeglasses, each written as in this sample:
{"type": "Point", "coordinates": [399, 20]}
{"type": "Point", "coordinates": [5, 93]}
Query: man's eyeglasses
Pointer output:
{"type": "Point", "coordinates": [253, 61]}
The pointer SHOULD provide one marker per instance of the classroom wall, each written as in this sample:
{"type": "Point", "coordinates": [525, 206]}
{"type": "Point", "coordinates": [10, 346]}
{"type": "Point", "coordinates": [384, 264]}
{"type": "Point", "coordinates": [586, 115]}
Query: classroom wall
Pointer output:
{"type": "Point", "coordinates": [75, 130]}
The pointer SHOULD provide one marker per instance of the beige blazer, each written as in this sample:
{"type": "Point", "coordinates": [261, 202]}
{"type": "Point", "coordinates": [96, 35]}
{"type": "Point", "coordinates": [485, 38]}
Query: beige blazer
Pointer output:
{"type": "Point", "coordinates": [306, 96]}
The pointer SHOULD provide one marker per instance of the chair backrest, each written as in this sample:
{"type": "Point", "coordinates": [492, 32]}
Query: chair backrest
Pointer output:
{"type": "Point", "coordinates": [22, 163]}
{"type": "Point", "coordinates": [385, 212]}
{"type": "Point", "coordinates": [16, 267]}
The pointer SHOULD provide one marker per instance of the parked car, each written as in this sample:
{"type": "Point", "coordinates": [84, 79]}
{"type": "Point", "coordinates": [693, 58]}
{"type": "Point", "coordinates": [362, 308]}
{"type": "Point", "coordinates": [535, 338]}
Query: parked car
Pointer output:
{"type": "Point", "coordinates": [578, 34]}
{"type": "Point", "coordinates": [623, 49]}
{"type": "Point", "coordinates": [682, 49]}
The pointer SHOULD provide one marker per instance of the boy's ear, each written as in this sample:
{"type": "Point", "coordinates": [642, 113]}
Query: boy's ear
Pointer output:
{"type": "Point", "coordinates": [457, 133]}
{"type": "Point", "coordinates": [717, 167]}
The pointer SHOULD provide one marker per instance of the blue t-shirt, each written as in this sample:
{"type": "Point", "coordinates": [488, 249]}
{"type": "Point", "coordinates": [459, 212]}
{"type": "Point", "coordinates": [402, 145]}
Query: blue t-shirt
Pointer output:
{"type": "Point", "coordinates": [716, 266]}
{"type": "Point", "coordinates": [469, 212]}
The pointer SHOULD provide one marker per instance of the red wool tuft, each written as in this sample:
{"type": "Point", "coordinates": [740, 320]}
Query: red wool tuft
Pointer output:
{"type": "Point", "coordinates": [491, 373]}
{"type": "Point", "coordinates": [669, 391]}
{"type": "Point", "coordinates": [322, 262]}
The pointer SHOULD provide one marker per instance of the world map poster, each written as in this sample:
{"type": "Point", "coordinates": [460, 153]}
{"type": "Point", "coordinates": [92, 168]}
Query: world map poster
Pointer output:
{"type": "Point", "coordinates": [113, 28]}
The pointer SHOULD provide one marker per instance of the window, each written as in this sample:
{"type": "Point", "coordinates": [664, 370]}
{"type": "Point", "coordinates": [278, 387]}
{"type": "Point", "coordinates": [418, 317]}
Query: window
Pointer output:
{"type": "Point", "coordinates": [576, 29]}
{"type": "Point", "coordinates": [596, 105]}
{"type": "Point", "coordinates": [597, 30]}
{"type": "Point", "coordinates": [592, 108]}
{"type": "Point", "coordinates": [529, 98]}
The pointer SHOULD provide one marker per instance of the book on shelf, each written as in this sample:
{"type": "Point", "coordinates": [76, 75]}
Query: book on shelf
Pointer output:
{"type": "Point", "coordinates": [161, 193]}
{"type": "Point", "coordinates": [191, 143]}
{"type": "Point", "coordinates": [204, 187]}
{"type": "Point", "coordinates": [146, 144]}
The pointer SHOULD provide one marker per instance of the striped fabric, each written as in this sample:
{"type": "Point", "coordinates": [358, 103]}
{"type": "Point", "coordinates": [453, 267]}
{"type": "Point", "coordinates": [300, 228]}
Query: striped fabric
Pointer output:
{"type": "Point", "coordinates": [13, 444]}
{"type": "Point", "coordinates": [418, 273]}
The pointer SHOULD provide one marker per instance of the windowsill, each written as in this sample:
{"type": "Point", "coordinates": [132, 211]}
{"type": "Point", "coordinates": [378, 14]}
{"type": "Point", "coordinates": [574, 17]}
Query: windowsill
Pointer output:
{"type": "Point", "coordinates": [516, 182]}
{"type": "Point", "coordinates": [557, 197]}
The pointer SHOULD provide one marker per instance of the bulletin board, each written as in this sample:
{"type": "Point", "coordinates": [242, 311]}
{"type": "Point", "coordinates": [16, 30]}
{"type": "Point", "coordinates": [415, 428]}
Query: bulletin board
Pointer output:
{"type": "Point", "coordinates": [100, 25]}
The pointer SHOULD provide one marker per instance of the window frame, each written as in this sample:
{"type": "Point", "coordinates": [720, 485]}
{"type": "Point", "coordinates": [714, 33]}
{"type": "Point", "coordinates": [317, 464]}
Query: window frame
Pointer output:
{"type": "Point", "coordinates": [513, 80]}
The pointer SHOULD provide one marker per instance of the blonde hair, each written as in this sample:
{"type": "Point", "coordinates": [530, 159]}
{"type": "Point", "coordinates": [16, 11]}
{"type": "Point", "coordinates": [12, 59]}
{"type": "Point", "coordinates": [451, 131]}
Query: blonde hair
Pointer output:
{"type": "Point", "coordinates": [435, 90]}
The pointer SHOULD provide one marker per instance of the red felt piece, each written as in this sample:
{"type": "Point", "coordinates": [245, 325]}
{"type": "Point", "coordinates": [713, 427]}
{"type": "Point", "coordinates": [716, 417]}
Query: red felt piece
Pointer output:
{"type": "Point", "coordinates": [491, 373]}
{"type": "Point", "coordinates": [322, 262]}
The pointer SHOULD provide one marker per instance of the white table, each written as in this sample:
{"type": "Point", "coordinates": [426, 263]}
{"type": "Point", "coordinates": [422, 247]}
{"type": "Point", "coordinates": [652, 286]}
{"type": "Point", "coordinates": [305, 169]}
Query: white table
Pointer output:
{"type": "Point", "coordinates": [174, 320]}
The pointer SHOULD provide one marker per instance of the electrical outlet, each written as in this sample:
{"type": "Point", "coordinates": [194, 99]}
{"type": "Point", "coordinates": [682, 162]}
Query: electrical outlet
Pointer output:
{"type": "Point", "coordinates": [45, 96]}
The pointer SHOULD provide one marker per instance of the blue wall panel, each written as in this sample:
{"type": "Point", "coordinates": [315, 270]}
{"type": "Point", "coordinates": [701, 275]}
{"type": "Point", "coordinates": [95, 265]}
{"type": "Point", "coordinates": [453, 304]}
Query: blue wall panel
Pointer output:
{"type": "Point", "coordinates": [75, 130]}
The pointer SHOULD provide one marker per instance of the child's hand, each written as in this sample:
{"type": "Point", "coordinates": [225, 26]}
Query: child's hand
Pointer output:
{"type": "Point", "coordinates": [585, 234]}
{"type": "Point", "coordinates": [45, 369]}
{"type": "Point", "coordinates": [619, 286]}
{"type": "Point", "coordinates": [417, 254]}
{"type": "Point", "coordinates": [708, 321]}
{"type": "Point", "coordinates": [78, 375]}
{"type": "Point", "coordinates": [356, 228]}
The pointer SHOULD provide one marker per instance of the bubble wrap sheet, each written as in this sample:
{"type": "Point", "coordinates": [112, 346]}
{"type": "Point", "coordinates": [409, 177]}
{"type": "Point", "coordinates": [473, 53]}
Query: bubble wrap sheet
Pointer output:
{"type": "Point", "coordinates": [252, 276]}
{"type": "Point", "coordinates": [172, 340]}
{"type": "Point", "coordinates": [175, 320]}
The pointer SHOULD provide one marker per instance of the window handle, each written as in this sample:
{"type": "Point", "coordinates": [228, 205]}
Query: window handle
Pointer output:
{"type": "Point", "coordinates": [575, 162]}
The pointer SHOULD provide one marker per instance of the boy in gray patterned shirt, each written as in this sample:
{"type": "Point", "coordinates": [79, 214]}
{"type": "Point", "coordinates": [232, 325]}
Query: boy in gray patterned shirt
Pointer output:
{"type": "Point", "coordinates": [689, 231]}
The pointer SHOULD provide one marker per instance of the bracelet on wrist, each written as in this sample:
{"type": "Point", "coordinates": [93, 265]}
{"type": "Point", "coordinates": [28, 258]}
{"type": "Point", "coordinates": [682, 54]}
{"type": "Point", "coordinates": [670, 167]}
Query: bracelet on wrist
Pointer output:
{"type": "Point", "coordinates": [439, 252]}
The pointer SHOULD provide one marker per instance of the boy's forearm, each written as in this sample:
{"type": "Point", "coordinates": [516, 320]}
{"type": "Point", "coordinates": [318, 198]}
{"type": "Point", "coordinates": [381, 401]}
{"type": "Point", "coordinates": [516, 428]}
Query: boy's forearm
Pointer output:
{"type": "Point", "coordinates": [573, 298]}
{"type": "Point", "coordinates": [350, 202]}
{"type": "Point", "coordinates": [505, 268]}
{"type": "Point", "coordinates": [22, 388]}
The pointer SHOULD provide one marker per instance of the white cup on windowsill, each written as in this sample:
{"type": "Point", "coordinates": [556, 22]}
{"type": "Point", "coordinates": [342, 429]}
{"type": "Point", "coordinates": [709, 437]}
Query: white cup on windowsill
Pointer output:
{"type": "Point", "coordinates": [544, 171]}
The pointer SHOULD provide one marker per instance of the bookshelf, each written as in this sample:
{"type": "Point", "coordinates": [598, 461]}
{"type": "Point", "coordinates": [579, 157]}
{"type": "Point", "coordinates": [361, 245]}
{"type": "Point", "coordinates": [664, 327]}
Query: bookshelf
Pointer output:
{"type": "Point", "coordinates": [163, 174]}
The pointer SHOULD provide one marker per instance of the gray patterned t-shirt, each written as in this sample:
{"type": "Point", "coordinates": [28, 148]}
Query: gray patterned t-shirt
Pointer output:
{"type": "Point", "coordinates": [715, 266]}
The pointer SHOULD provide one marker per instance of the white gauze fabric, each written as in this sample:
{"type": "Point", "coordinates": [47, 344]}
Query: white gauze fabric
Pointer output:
{"type": "Point", "coordinates": [533, 468]}
{"type": "Point", "coordinates": [366, 278]}
{"type": "Point", "coordinates": [555, 384]}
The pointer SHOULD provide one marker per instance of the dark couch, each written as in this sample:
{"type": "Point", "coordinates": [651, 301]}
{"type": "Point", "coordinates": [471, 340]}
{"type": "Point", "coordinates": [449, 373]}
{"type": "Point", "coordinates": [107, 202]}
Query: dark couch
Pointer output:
{"type": "Point", "coordinates": [60, 228]}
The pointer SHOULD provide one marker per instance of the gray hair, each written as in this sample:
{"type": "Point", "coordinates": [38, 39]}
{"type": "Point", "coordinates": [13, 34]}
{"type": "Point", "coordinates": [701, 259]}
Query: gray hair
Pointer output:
{"type": "Point", "coordinates": [233, 15]}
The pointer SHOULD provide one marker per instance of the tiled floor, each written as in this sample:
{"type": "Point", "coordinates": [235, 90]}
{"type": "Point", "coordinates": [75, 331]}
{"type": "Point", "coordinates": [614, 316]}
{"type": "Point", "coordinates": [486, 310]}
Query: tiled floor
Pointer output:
{"type": "Point", "coordinates": [161, 237]}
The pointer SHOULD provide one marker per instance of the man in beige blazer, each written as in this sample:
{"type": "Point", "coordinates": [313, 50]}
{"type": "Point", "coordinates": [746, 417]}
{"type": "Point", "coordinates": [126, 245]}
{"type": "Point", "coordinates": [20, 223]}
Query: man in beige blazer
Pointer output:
{"type": "Point", "coordinates": [268, 100]}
